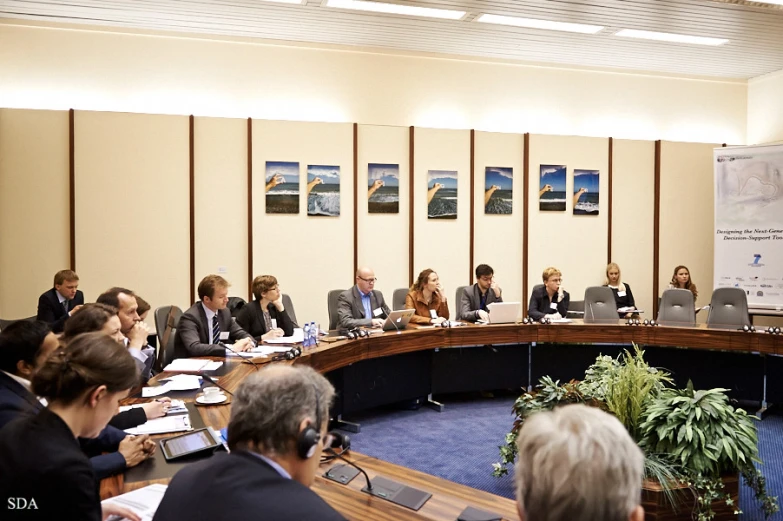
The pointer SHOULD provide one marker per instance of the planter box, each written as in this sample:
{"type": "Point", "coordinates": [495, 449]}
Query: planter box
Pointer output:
{"type": "Point", "coordinates": [656, 508]}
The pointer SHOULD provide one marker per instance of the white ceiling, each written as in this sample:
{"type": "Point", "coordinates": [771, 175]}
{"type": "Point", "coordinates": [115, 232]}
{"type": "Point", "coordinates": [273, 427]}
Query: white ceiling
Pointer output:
{"type": "Point", "coordinates": [755, 30]}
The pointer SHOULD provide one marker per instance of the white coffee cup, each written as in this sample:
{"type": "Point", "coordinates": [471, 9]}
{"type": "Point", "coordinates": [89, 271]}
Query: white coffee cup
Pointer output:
{"type": "Point", "coordinates": [212, 393]}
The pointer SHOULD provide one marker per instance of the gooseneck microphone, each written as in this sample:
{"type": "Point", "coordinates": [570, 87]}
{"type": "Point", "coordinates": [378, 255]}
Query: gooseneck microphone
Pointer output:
{"type": "Point", "coordinates": [214, 382]}
{"type": "Point", "coordinates": [248, 360]}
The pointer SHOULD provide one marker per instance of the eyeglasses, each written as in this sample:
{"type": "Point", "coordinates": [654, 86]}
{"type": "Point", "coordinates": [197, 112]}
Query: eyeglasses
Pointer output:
{"type": "Point", "coordinates": [369, 281]}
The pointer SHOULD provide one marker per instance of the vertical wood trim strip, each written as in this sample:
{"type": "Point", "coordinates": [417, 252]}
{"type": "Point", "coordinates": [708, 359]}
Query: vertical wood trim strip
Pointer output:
{"type": "Point", "coordinates": [355, 197]}
{"type": "Point", "coordinates": [472, 206]}
{"type": "Point", "coordinates": [410, 203]}
{"type": "Point", "coordinates": [609, 241]}
{"type": "Point", "coordinates": [249, 209]}
{"type": "Point", "coordinates": [656, 228]}
{"type": "Point", "coordinates": [72, 189]}
{"type": "Point", "coordinates": [525, 216]}
{"type": "Point", "coordinates": [192, 204]}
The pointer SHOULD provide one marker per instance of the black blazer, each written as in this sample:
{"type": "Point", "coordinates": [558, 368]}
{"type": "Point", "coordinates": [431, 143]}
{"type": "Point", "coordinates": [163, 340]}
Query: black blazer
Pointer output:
{"type": "Point", "coordinates": [17, 402]}
{"type": "Point", "coordinates": [624, 301]}
{"type": "Point", "coordinates": [350, 310]}
{"type": "Point", "coordinates": [540, 304]}
{"type": "Point", "coordinates": [40, 459]}
{"type": "Point", "coordinates": [241, 487]}
{"type": "Point", "coordinates": [194, 335]}
{"type": "Point", "coordinates": [470, 302]}
{"type": "Point", "coordinates": [52, 312]}
{"type": "Point", "coordinates": [251, 319]}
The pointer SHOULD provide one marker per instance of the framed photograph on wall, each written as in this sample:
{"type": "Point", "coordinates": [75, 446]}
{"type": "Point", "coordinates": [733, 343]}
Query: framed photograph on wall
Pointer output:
{"type": "Point", "coordinates": [498, 190]}
{"type": "Point", "coordinates": [282, 187]}
{"type": "Point", "coordinates": [586, 192]}
{"type": "Point", "coordinates": [383, 188]}
{"type": "Point", "coordinates": [323, 190]}
{"type": "Point", "coordinates": [552, 188]}
{"type": "Point", "coordinates": [442, 194]}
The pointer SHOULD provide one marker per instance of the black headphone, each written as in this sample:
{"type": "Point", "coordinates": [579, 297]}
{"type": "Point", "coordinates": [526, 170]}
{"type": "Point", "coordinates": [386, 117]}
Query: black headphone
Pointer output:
{"type": "Point", "coordinates": [292, 353]}
{"type": "Point", "coordinates": [309, 437]}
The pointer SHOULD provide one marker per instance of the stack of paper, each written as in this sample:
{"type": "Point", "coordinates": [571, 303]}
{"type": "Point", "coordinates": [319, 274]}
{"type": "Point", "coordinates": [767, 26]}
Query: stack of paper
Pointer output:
{"type": "Point", "coordinates": [177, 423]}
{"type": "Point", "coordinates": [296, 338]}
{"type": "Point", "coordinates": [179, 382]}
{"type": "Point", "coordinates": [144, 501]}
{"type": "Point", "coordinates": [192, 365]}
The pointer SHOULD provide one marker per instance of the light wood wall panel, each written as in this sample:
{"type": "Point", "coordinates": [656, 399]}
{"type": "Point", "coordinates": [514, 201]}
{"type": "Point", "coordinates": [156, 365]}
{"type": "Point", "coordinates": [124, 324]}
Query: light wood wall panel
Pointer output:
{"type": "Point", "coordinates": [308, 255]}
{"type": "Point", "coordinates": [633, 188]}
{"type": "Point", "coordinates": [132, 209]}
{"type": "Point", "coordinates": [383, 238]}
{"type": "Point", "coordinates": [34, 206]}
{"type": "Point", "coordinates": [220, 181]}
{"type": "Point", "coordinates": [687, 222]}
{"type": "Point", "coordinates": [498, 238]}
{"type": "Point", "coordinates": [442, 244]}
{"type": "Point", "coordinates": [575, 244]}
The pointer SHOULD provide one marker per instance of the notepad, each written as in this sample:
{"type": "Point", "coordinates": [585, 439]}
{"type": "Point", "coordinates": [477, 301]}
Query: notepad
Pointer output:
{"type": "Point", "coordinates": [163, 425]}
{"type": "Point", "coordinates": [176, 407]}
{"type": "Point", "coordinates": [144, 501]}
{"type": "Point", "coordinates": [192, 365]}
{"type": "Point", "coordinates": [296, 338]}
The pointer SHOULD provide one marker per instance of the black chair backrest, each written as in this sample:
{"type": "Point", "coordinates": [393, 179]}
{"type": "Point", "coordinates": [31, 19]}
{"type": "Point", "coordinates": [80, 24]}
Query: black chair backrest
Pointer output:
{"type": "Point", "coordinates": [235, 304]}
{"type": "Point", "coordinates": [289, 307]}
{"type": "Point", "coordinates": [5, 323]}
{"type": "Point", "coordinates": [331, 303]}
{"type": "Point", "coordinates": [398, 298]}
{"type": "Point", "coordinates": [166, 320]}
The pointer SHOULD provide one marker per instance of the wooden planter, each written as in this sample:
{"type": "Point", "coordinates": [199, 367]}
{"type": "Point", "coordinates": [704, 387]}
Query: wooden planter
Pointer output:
{"type": "Point", "coordinates": [656, 508]}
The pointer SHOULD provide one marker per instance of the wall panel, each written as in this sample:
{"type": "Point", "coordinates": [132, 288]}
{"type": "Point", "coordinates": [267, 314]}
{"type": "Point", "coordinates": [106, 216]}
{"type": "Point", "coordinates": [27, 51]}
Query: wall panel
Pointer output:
{"type": "Point", "coordinates": [308, 255]}
{"type": "Point", "coordinates": [34, 206]}
{"type": "Point", "coordinates": [132, 211]}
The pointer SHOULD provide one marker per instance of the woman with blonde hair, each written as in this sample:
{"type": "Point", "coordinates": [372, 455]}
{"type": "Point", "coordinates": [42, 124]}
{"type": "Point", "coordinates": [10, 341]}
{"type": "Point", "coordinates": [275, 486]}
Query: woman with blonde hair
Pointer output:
{"type": "Point", "coordinates": [550, 299]}
{"type": "Point", "coordinates": [623, 296]}
{"type": "Point", "coordinates": [427, 298]}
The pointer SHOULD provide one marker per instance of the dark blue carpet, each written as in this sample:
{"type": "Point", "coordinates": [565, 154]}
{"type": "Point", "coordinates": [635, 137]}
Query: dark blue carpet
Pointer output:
{"type": "Point", "coordinates": [461, 444]}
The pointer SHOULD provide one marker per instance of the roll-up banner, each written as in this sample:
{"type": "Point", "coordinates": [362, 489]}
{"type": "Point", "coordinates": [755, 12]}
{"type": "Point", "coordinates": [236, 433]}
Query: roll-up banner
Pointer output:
{"type": "Point", "coordinates": [749, 223]}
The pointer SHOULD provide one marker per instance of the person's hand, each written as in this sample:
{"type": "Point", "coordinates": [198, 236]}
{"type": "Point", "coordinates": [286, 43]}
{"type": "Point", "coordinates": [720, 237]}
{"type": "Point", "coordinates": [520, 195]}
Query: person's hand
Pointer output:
{"type": "Point", "coordinates": [246, 344]}
{"type": "Point", "coordinates": [74, 310]}
{"type": "Point", "coordinates": [132, 449]}
{"type": "Point", "coordinates": [554, 316]}
{"type": "Point", "coordinates": [138, 335]}
{"type": "Point", "coordinates": [440, 292]}
{"type": "Point", "coordinates": [111, 509]}
{"type": "Point", "coordinates": [377, 184]}
{"type": "Point", "coordinates": [437, 321]}
{"type": "Point", "coordinates": [150, 446]}
{"type": "Point", "coordinates": [628, 315]}
{"type": "Point", "coordinates": [273, 333]}
{"type": "Point", "coordinates": [157, 408]}
{"type": "Point", "coordinates": [377, 322]}
{"type": "Point", "coordinates": [279, 303]}
{"type": "Point", "coordinates": [483, 315]}
{"type": "Point", "coordinates": [494, 286]}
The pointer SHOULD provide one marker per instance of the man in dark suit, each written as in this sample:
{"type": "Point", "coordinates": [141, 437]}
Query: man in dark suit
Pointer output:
{"type": "Point", "coordinates": [131, 325]}
{"type": "Point", "coordinates": [362, 305]}
{"type": "Point", "coordinates": [276, 434]}
{"type": "Point", "coordinates": [24, 346]}
{"type": "Point", "coordinates": [207, 325]}
{"type": "Point", "coordinates": [475, 299]}
{"type": "Point", "coordinates": [60, 302]}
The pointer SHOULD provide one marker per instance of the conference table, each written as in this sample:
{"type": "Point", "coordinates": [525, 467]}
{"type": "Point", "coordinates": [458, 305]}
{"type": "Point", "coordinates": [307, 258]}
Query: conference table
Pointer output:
{"type": "Point", "coordinates": [448, 498]}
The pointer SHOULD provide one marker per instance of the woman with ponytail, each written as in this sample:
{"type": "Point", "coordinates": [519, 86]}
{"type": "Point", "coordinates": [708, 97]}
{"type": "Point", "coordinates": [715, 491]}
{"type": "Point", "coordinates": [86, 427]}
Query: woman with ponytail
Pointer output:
{"type": "Point", "coordinates": [42, 466]}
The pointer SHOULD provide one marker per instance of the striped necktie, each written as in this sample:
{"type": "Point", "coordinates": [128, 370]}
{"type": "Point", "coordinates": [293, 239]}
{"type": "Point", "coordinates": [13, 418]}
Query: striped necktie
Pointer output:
{"type": "Point", "coordinates": [215, 330]}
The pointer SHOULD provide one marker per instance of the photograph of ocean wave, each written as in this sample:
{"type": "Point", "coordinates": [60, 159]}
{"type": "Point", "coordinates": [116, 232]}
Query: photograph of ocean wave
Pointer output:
{"type": "Point", "coordinates": [323, 190]}
{"type": "Point", "coordinates": [586, 192]}
{"type": "Point", "coordinates": [498, 190]}
{"type": "Point", "coordinates": [442, 194]}
{"type": "Point", "coordinates": [282, 187]}
{"type": "Point", "coordinates": [383, 188]}
{"type": "Point", "coordinates": [552, 188]}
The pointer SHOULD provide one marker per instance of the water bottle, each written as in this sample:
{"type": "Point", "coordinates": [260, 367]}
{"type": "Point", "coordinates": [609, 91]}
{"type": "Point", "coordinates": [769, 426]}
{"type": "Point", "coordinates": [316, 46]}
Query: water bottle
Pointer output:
{"type": "Point", "coordinates": [313, 335]}
{"type": "Point", "coordinates": [306, 339]}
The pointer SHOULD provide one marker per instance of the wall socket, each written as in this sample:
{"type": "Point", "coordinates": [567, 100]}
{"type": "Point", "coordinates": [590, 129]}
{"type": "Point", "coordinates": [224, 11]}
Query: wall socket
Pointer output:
{"type": "Point", "coordinates": [222, 270]}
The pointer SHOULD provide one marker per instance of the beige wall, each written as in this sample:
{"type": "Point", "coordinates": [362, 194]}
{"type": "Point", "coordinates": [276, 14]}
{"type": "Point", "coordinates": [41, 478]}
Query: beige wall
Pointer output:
{"type": "Point", "coordinates": [34, 206]}
{"type": "Point", "coordinates": [60, 68]}
{"type": "Point", "coordinates": [132, 216]}
{"type": "Point", "coordinates": [765, 109]}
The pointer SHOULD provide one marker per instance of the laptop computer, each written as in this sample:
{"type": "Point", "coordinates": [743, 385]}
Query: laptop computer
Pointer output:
{"type": "Point", "coordinates": [397, 320]}
{"type": "Point", "coordinates": [503, 312]}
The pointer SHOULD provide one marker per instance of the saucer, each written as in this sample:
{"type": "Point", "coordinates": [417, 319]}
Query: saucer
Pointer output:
{"type": "Point", "coordinates": [220, 398]}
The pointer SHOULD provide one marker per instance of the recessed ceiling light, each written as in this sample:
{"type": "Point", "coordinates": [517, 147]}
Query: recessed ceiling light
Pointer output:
{"type": "Point", "coordinates": [671, 37]}
{"type": "Point", "coordinates": [534, 23]}
{"type": "Point", "coordinates": [381, 7]}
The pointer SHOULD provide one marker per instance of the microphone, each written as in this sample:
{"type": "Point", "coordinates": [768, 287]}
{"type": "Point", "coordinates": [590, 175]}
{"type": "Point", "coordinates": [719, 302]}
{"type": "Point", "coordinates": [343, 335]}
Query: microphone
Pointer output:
{"type": "Point", "coordinates": [592, 314]}
{"type": "Point", "coordinates": [395, 325]}
{"type": "Point", "coordinates": [214, 382]}
{"type": "Point", "coordinates": [241, 358]}
{"type": "Point", "coordinates": [331, 451]}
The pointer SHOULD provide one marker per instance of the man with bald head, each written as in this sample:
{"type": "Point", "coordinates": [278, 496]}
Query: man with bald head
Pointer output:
{"type": "Point", "coordinates": [362, 305]}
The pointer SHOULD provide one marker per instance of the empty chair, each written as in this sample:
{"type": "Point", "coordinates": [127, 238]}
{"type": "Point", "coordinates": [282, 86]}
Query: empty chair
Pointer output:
{"type": "Point", "coordinates": [289, 308]}
{"type": "Point", "coordinates": [235, 304]}
{"type": "Point", "coordinates": [728, 309]}
{"type": "Point", "coordinates": [677, 308]}
{"type": "Point", "coordinates": [576, 309]}
{"type": "Point", "coordinates": [5, 323]}
{"type": "Point", "coordinates": [166, 320]}
{"type": "Point", "coordinates": [331, 303]}
{"type": "Point", "coordinates": [457, 300]}
{"type": "Point", "coordinates": [398, 298]}
{"type": "Point", "coordinates": [599, 304]}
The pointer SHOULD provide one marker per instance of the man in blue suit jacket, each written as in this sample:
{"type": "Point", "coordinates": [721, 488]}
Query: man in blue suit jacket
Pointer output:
{"type": "Point", "coordinates": [24, 346]}
{"type": "Point", "coordinates": [60, 302]}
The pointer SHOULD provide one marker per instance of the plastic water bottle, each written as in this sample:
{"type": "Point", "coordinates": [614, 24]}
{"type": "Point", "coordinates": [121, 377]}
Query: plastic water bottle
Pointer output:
{"type": "Point", "coordinates": [313, 334]}
{"type": "Point", "coordinates": [306, 339]}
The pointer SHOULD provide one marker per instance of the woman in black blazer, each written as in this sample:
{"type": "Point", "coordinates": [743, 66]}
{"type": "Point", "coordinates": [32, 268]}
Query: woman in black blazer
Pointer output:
{"type": "Point", "coordinates": [549, 300]}
{"type": "Point", "coordinates": [623, 296]}
{"type": "Point", "coordinates": [266, 317]}
{"type": "Point", "coordinates": [40, 458]}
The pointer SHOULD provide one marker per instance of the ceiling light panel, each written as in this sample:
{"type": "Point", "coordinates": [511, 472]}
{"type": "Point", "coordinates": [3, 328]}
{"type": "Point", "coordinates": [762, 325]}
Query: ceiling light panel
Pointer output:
{"type": "Point", "coordinates": [381, 7]}
{"type": "Point", "coordinates": [534, 23]}
{"type": "Point", "coordinates": [671, 37]}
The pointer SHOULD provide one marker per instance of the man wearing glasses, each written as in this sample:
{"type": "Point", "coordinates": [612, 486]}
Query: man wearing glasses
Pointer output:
{"type": "Point", "coordinates": [475, 299]}
{"type": "Point", "coordinates": [362, 305]}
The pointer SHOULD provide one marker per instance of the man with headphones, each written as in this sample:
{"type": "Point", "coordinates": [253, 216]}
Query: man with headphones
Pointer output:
{"type": "Point", "coordinates": [276, 433]}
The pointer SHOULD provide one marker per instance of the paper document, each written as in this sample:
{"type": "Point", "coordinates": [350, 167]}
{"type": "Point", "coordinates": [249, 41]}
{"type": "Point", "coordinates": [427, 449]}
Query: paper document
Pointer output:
{"type": "Point", "coordinates": [192, 365]}
{"type": "Point", "coordinates": [178, 423]}
{"type": "Point", "coordinates": [561, 321]}
{"type": "Point", "coordinates": [296, 338]}
{"type": "Point", "coordinates": [176, 407]}
{"type": "Point", "coordinates": [150, 392]}
{"type": "Point", "coordinates": [183, 382]}
{"type": "Point", "coordinates": [144, 501]}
